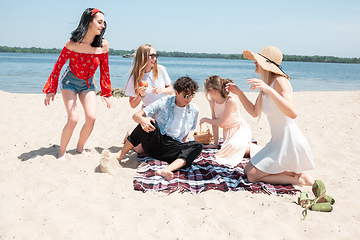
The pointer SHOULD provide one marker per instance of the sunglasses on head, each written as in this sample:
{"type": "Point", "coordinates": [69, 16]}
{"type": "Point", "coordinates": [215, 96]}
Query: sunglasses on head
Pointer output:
{"type": "Point", "coordinates": [154, 56]}
{"type": "Point", "coordinates": [189, 95]}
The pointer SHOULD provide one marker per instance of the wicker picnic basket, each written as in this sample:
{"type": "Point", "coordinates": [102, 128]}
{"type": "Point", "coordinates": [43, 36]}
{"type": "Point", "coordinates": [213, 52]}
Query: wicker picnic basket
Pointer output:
{"type": "Point", "coordinates": [204, 137]}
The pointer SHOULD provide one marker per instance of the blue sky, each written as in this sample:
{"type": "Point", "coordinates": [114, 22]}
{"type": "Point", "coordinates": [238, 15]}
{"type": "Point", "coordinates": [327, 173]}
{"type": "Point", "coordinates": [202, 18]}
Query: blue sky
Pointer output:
{"type": "Point", "coordinates": [327, 28]}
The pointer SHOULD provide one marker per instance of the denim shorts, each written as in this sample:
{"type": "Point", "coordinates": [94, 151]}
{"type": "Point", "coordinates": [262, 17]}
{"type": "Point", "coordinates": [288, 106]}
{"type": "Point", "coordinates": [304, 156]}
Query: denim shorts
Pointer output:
{"type": "Point", "coordinates": [70, 82]}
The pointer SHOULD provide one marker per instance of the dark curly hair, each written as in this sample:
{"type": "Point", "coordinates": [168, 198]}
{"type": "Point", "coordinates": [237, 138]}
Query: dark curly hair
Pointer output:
{"type": "Point", "coordinates": [186, 84]}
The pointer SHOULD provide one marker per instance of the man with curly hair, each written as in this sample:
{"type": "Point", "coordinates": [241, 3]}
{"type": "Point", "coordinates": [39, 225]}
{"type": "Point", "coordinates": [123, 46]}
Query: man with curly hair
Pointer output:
{"type": "Point", "coordinates": [164, 138]}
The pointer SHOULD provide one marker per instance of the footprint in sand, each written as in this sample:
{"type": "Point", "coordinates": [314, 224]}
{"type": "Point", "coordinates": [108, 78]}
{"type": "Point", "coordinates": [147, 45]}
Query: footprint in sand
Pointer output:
{"type": "Point", "coordinates": [109, 164]}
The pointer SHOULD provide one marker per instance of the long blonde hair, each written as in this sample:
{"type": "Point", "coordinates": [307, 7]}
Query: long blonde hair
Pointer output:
{"type": "Point", "coordinates": [265, 76]}
{"type": "Point", "coordinates": [216, 83]}
{"type": "Point", "coordinates": [140, 61]}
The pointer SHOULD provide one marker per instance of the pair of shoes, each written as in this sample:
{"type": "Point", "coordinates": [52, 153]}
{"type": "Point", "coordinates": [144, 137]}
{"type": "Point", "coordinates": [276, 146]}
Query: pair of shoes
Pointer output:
{"type": "Point", "coordinates": [321, 203]}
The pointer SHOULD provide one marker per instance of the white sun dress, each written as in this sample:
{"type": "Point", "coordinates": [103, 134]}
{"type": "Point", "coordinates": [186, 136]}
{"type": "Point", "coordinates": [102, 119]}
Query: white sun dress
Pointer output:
{"type": "Point", "coordinates": [288, 149]}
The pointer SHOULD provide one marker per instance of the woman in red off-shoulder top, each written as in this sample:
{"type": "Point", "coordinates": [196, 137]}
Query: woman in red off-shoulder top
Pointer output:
{"type": "Point", "coordinates": [86, 51]}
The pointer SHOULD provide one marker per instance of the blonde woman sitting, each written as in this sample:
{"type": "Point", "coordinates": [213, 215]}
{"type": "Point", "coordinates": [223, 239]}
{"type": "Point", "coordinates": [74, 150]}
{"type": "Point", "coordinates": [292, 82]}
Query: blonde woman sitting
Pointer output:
{"type": "Point", "coordinates": [285, 158]}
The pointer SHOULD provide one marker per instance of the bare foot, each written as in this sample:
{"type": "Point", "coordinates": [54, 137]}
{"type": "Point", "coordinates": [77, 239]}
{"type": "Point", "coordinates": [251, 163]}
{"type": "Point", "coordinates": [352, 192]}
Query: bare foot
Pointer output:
{"type": "Point", "coordinates": [168, 175]}
{"type": "Point", "coordinates": [61, 157]}
{"type": "Point", "coordinates": [306, 179]}
{"type": "Point", "coordinates": [109, 164]}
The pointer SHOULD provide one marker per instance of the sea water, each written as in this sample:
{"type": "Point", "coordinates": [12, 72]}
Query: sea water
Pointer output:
{"type": "Point", "coordinates": [28, 72]}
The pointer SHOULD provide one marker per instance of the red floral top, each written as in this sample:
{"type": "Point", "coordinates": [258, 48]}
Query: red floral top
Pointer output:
{"type": "Point", "coordinates": [83, 65]}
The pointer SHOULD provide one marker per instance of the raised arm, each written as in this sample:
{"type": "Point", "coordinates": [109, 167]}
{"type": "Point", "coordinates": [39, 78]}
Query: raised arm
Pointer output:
{"type": "Point", "coordinates": [282, 97]}
{"type": "Point", "coordinates": [251, 108]}
{"type": "Point", "coordinates": [281, 94]}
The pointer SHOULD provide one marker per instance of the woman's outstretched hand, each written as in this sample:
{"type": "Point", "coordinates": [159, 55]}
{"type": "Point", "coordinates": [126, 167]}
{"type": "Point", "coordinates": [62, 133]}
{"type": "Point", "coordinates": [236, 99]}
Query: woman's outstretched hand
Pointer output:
{"type": "Point", "coordinates": [231, 87]}
{"type": "Point", "coordinates": [48, 97]}
{"type": "Point", "coordinates": [258, 84]}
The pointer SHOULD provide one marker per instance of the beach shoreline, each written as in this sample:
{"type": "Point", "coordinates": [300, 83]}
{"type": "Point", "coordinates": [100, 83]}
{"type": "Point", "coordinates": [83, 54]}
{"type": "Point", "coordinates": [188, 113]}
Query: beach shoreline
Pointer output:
{"type": "Point", "coordinates": [44, 198]}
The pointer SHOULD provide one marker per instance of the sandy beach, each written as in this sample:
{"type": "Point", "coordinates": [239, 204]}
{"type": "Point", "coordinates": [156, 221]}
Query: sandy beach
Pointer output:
{"type": "Point", "coordinates": [44, 198]}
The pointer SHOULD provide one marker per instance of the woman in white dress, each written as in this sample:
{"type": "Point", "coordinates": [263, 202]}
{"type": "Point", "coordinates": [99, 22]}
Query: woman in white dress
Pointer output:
{"type": "Point", "coordinates": [284, 159]}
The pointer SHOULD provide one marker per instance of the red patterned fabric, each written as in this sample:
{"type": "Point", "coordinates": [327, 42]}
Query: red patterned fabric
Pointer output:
{"type": "Point", "coordinates": [203, 175]}
{"type": "Point", "coordinates": [84, 66]}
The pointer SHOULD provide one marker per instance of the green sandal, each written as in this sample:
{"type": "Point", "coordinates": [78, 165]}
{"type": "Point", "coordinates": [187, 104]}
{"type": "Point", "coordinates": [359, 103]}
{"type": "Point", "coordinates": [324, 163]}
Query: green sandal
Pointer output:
{"type": "Point", "coordinates": [305, 202]}
{"type": "Point", "coordinates": [321, 203]}
{"type": "Point", "coordinates": [327, 198]}
{"type": "Point", "coordinates": [322, 207]}
{"type": "Point", "coordinates": [319, 190]}
{"type": "Point", "coordinates": [304, 199]}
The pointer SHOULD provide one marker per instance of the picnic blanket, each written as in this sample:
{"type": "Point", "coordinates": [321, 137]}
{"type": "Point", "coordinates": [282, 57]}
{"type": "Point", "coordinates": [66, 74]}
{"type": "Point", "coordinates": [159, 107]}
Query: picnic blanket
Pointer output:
{"type": "Point", "coordinates": [204, 174]}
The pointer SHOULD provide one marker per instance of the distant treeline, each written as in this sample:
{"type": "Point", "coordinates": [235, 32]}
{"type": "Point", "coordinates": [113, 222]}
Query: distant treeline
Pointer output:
{"type": "Point", "coordinates": [294, 58]}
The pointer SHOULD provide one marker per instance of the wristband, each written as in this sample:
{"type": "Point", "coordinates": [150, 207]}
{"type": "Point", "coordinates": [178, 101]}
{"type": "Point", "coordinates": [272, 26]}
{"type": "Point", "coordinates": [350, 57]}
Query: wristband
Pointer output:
{"type": "Point", "coordinates": [141, 96]}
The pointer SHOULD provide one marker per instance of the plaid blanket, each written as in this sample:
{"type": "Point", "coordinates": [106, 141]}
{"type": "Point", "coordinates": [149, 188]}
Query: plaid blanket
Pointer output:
{"type": "Point", "coordinates": [204, 174]}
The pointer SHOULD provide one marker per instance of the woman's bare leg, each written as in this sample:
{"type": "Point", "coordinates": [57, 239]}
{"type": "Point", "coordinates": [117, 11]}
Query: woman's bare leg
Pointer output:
{"type": "Point", "coordinates": [69, 98]}
{"type": "Point", "coordinates": [255, 175]}
{"type": "Point", "coordinates": [88, 100]}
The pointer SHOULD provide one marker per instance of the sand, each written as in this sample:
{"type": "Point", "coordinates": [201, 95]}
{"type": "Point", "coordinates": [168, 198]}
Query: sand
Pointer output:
{"type": "Point", "coordinates": [44, 198]}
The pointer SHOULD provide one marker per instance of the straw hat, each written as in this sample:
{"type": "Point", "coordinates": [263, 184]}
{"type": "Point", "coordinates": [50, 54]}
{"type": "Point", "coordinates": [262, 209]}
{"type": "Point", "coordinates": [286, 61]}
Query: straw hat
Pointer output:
{"type": "Point", "coordinates": [269, 59]}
